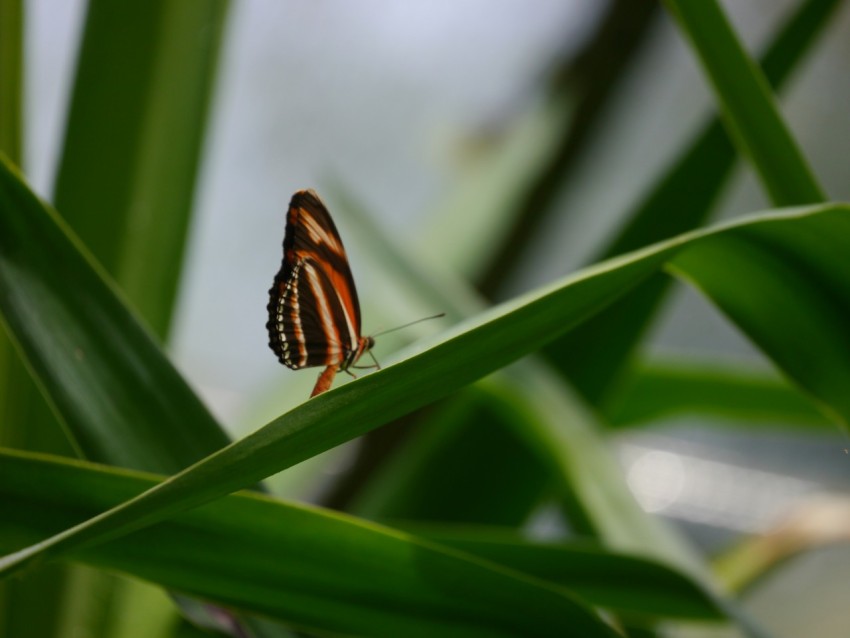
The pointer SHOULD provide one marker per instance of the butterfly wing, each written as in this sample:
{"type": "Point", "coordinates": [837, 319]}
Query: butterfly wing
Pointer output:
{"type": "Point", "coordinates": [314, 313]}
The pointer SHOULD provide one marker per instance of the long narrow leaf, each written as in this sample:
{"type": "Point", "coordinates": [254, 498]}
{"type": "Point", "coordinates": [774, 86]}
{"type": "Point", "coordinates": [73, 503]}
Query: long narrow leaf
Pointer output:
{"type": "Point", "coordinates": [23, 601]}
{"type": "Point", "coordinates": [624, 583]}
{"type": "Point", "coordinates": [747, 103]}
{"type": "Point", "coordinates": [309, 567]}
{"type": "Point", "coordinates": [135, 126]}
{"type": "Point", "coordinates": [99, 366]}
{"type": "Point", "coordinates": [11, 76]}
{"type": "Point", "coordinates": [681, 199]}
{"type": "Point", "coordinates": [725, 390]}
{"type": "Point", "coordinates": [799, 315]}
{"type": "Point", "coordinates": [811, 236]}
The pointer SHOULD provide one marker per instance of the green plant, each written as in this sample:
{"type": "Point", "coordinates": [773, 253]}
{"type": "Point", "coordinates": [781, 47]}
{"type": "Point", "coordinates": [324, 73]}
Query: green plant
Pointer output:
{"type": "Point", "coordinates": [164, 460]}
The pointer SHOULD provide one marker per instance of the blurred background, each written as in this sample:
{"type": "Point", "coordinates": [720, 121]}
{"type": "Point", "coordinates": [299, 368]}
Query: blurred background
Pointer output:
{"type": "Point", "coordinates": [400, 106]}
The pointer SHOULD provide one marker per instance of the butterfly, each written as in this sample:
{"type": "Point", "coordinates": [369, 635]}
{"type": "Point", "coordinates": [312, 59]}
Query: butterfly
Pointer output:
{"type": "Point", "coordinates": [314, 314]}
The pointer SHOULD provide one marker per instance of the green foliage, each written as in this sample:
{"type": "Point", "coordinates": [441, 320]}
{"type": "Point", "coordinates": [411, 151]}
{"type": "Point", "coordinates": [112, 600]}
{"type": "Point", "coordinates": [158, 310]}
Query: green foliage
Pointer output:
{"type": "Point", "coordinates": [85, 309]}
{"type": "Point", "coordinates": [314, 568]}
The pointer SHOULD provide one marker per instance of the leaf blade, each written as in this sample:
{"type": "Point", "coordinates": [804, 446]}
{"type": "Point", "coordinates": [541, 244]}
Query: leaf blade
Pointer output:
{"type": "Point", "coordinates": [747, 103]}
{"type": "Point", "coordinates": [311, 567]}
{"type": "Point", "coordinates": [667, 387]}
{"type": "Point", "coordinates": [100, 366]}
{"type": "Point", "coordinates": [681, 199]}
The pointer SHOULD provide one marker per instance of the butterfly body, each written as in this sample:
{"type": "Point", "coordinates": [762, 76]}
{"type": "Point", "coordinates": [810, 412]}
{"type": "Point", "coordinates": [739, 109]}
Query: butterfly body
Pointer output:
{"type": "Point", "coordinates": [314, 313]}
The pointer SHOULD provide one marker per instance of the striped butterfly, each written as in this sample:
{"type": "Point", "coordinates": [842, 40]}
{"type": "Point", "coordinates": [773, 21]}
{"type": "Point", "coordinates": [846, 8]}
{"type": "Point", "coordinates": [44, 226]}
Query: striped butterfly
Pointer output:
{"type": "Point", "coordinates": [314, 314]}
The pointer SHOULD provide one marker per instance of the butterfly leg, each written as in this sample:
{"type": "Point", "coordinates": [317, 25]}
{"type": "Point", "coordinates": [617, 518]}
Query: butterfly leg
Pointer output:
{"type": "Point", "coordinates": [377, 365]}
{"type": "Point", "coordinates": [323, 384]}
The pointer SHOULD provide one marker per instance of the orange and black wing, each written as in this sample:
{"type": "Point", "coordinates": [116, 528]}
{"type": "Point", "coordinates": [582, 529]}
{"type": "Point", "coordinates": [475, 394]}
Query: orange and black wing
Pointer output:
{"type": "Point", "coordinates": [314, 314]}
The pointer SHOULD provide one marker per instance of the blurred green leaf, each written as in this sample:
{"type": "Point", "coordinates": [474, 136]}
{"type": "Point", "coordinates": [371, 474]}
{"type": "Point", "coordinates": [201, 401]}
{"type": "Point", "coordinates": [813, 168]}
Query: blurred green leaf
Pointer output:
{"type": "Point", "coordinates": [23, 601]}
{"type": "Point", "coordinates": [657, 389]}
{"type": "Point", "coordinates": [313, 568]}
{"type": "Point", "coordinates": [812, 237]}
{"type": "Point", "coordinates": [132, 145]}
{"type": "Point", "coordinates": [593, 355]}
{"type": "Point", "coordinates": [801, 278]}
{"type": "Point", "coordinates": [628, 584]}
{"type": "Point", "coordinates": [11, 76]}
{"type": "Point", "coordinates": [586, 476]}
{"type": "Point", "coordinates": [596, 75]}
{"type": "Point", "coordinates": [480, 209]}
{"type": "Point", "coordinates": [146, 611]}
{"type": "Point", "coordinates": [434, 477]}
{"type": "Point", "coordinates": [746, 101]}
{"type": "Point", "coordinates": [513, 169]}
{"type": "Point", "coordinates": [11, 125]}
{"type": "Point", "coordinates": [125, 107]}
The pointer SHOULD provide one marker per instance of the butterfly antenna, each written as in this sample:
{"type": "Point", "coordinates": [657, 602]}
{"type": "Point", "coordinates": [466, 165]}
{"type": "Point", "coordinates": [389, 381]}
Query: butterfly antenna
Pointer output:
{"type": "Point", "coordinates": [383, 332]}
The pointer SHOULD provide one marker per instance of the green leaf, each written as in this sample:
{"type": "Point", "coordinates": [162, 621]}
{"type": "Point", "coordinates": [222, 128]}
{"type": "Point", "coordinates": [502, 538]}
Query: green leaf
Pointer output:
{"type": "Point", "coordinates": [104, 374]}
{"type": "Point", "coordinates": [11, 76]}
{"type": "Point", "coordinates": [593, 356]}
{"type": "Point", "coordinates": [437, 477]}
{"type": "Point", "coordinates": [813, 237]}
{"type": "Point", "coordinates": [312, 568]}
{"type": "Point", "coordinates": [749, 110]}
{"type": "Point", "coordinates": [628, 584]}
{"type": "Point", "coordinates": [586, 477]}
{"type": "Point", "coordinates": [23, 601]}
{"type": "Point", "coordinates": [658, 389]}
{"type": "Point", "coordinates": [800, 310]}
{"type": "Point", "coordinates": [132, 146]}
